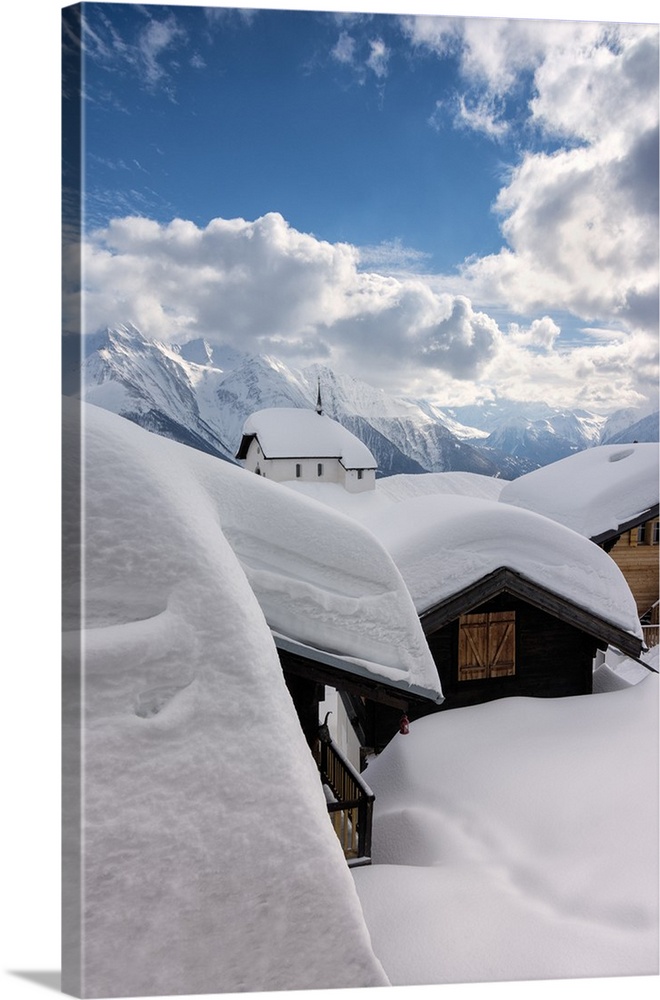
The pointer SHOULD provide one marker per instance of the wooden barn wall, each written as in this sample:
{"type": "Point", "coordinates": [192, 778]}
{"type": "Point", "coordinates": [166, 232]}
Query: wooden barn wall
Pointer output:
{"type": "Point", "coordinates": [553, 659]}
{"type": "Point", "coordinates": [639, 565]}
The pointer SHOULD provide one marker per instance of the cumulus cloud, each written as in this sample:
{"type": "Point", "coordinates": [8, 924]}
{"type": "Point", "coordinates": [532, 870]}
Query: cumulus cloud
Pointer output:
{"type": "Point", "coordinates": [541, 334]}
{"type": "Point", "coordinates": [579, 209]}
{"type": "Point", "coordinates": [264, 286]}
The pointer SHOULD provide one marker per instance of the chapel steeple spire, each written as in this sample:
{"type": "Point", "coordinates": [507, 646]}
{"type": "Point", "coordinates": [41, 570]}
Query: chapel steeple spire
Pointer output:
{"type": "Point", "coordinates": [319, 407]}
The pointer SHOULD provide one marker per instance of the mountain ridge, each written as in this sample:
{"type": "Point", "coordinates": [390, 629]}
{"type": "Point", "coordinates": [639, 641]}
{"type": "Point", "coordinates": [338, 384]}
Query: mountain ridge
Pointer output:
{"type": "Point", "coordinates": [202, 392]}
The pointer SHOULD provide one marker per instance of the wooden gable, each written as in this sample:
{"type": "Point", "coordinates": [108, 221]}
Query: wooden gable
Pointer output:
{"type": "Point", "coordinates": [505, 636]}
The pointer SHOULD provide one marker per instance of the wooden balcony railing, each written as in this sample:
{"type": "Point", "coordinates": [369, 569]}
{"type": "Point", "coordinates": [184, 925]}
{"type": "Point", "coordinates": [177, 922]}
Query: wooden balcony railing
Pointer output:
{"type": "Point", "coordinates": [650, 625]}
{"type": "Point", "coordinates": [350, 803]}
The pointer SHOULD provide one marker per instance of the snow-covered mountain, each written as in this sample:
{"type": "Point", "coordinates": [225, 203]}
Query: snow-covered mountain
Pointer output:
{"type": "Point", "coordinates": [539, 434]}
{"type": "Point", "coordinates": [644, 429]}
{"type": "Point", "coordinates": [202, 392]}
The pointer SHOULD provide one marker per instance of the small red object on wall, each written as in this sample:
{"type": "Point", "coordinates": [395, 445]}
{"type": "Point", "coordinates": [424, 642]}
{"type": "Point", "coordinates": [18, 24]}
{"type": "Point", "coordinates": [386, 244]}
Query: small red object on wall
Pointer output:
{"type": "Point", "coordinates": [404, 725]}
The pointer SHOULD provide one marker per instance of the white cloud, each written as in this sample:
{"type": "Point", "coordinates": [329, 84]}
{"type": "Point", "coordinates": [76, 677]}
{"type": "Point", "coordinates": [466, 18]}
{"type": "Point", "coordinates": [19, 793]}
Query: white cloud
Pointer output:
{"type": "Point", "coordinates": [378, 57]}
{"type": "Point", "coordinates": [542, 334]}
{"type": "Point", "coordinates": [265, 287]}
{"type": "Point", "coordinates": [392, 256]}
{"type": "Point", "coordinates": [579, 210]}
{"type": "Point", "coordinates": [481, 115]}
{"type": "Point", "coordinates": [155, 39]}
{"type": "Point", "coordinates": [344, 50]}
{"type": "Point", "coordinates": [146, 52]}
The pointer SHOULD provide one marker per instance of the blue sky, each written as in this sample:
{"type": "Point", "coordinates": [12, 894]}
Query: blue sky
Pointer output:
{"type": "Point", "coordinates": [283, 111]}
{"type": "Point", "coordinates": [448, 207]}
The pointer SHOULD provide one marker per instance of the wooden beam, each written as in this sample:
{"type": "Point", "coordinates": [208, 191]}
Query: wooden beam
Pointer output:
{"type": "Point", "coordinates": [325, 674]}
{"type": "Point", "coordinates": [634, 522]}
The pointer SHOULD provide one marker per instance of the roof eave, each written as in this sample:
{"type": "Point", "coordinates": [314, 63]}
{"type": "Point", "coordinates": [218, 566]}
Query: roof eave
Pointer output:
{"type": "Point", "coordinates": [634, 522]}
{"type": "Point", "coordinates": [505, 579]}
{"type": "Point", "coordinates": [331, 667]}
{"type": "Point", "coordinates": [244, 446]}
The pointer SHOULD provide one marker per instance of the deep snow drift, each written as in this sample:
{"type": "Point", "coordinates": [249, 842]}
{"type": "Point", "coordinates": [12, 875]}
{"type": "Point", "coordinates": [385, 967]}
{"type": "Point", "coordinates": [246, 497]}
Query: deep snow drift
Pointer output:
{"type": "Point", "coordinates": [518, 840]}
{"type": "Point", "coordinates": [210, 864]}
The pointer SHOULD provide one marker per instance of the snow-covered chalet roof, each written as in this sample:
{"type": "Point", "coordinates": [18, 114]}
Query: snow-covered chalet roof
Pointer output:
{"type": "Point", "coordinates": [321, 579]}
{"type": "Point", "coordinates": [444, 544]}
{"type": "Point", "coordinates": [288, 432]}
{"type": "Point", "coordinates": [205, 827]}
{"type": "Point", "coordinates": [596, 492]}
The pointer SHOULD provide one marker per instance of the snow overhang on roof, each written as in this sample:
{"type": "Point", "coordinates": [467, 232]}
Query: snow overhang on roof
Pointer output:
{"type": "Point", "coordinates": [322, 579]}
{"type": "Point", "coordinates": [599, 492]}
{"type": "Point", "coordinates": [287, 432]}
{"type": "Point", "coordinates": [354, 674]}
{"type": "Point", "coordinates": [445, 545]}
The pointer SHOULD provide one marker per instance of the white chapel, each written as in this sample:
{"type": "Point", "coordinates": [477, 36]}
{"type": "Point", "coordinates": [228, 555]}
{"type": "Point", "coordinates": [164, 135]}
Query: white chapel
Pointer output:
{"type": "Point", "coordinates": [287, 443]}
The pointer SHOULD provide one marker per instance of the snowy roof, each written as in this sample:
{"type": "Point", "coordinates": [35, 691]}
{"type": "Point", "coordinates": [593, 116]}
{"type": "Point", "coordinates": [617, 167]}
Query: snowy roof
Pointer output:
{"type": "Point", "coordinates": [288, 432]}
{"type": "Point", "coordinates": [596, 492]}
{"type": "Point", "coordinates": [203, 810]}
{"type": "Point", "coordinates": [397, 489]}
{"type": "Point", "coordinates": [444, 544]}
{"type": "Point", "coordinates": [321, 579]}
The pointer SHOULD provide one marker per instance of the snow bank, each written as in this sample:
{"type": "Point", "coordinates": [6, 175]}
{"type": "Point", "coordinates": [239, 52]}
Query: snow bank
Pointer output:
{"type": "Point", "coordinates": [469, 484]}
{"type": "Point", "coordinates": [443, 544]}
{"type": "Point", "coordinates": [288, 432]}
{"type": "Point", "coordinates": [210, 864]}
{"type": "Point", "coordinates": [593, 491]}
{"type": "Point", "coordinates": [518, 840]}
{"type": "Point", "coordinates": [398, 489]}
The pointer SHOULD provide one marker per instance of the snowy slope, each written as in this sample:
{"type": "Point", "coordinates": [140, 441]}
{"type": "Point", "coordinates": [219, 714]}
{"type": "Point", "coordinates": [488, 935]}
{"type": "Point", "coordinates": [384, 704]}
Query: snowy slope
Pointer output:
{"type": "Point", "coordinates": [518, 840]}
{"type": "Point", "coordinates": [151, 384]}
{"type": "Point", "coordinates": [210, 863]}
{"type": "Point", "coordinates": [645, 429]}
{"type": "Point", "coordinates": [594, 491]}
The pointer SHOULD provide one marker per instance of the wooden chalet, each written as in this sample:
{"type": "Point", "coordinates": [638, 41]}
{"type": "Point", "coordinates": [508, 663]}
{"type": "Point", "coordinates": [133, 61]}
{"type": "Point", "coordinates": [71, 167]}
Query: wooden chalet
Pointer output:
{"type": "Point", "coordinates": [608, 494]}
{"type": "Point", "coordinates": [507, 636]}
{"type": "Point", "coordinates": [511, 603]}
{"type": "Point", "coordinates": [634, 547]}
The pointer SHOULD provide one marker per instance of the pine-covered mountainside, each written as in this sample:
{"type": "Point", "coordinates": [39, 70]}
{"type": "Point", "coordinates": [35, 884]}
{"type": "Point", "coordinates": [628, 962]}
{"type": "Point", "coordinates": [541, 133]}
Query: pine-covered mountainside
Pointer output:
{"type": "Point", "coordinates": [201, 393]}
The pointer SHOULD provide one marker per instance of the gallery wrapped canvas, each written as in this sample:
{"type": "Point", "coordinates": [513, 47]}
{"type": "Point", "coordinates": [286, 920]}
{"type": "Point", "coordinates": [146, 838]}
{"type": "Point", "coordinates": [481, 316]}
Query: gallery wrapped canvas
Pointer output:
{"type": "Point", "coordinates": [352, 697]}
